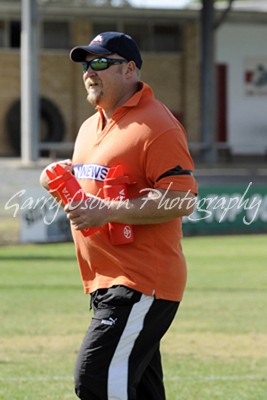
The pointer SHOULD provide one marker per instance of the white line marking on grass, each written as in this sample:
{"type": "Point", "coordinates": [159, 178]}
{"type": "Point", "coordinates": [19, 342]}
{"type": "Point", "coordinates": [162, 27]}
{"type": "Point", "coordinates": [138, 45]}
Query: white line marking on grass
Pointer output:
{"type": "Point", "coordinates": [167, 378]}
{"type": "Point", "coordinates": [36, 378]}
{"type": "Point", "coordinates": [216, 378]}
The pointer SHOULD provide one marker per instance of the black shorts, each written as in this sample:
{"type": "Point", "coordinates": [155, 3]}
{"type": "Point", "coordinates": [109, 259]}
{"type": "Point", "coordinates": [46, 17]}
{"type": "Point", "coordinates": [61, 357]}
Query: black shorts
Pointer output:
{"type": "Point", "coordinates": [120, 358]}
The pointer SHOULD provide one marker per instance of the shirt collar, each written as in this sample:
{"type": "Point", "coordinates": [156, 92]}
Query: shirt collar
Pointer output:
{"type": "Point", "coordinates": [144, 91]}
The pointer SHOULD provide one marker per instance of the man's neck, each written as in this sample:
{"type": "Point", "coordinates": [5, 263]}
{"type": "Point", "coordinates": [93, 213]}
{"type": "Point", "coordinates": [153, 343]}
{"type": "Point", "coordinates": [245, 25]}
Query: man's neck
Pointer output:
{"type": "Point", "coordinates": [107, 113]}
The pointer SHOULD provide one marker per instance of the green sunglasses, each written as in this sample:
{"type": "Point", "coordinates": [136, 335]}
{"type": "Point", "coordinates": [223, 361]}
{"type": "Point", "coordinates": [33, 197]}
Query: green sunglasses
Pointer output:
{"type": "Point", "coordinates": [99, 64]}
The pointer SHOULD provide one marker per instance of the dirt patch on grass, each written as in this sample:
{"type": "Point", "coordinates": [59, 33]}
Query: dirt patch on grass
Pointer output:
{"type": "Point", "coordinates": [208, 345]}
{"type": "Point", "coordinates": [39, 344]}
{"type": "Point", "coordinates": [217, 345]}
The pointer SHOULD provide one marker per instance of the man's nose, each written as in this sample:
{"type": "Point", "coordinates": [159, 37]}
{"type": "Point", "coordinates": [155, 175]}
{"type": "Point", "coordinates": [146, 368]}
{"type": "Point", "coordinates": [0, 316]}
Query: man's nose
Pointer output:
{"type": "Point", "coordinates": [89, 72]}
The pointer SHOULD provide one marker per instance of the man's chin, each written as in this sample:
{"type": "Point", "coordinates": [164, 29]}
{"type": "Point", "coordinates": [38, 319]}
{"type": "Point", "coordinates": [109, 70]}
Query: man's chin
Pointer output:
{"type": "Point", "coordinates": [93, 100]}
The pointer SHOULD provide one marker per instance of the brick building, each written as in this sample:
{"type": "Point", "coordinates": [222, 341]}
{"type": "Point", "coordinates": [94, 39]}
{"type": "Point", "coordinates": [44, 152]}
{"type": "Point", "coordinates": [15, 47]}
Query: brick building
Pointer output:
{"type": "Point", "coordinates": [170, 43]}
{"type": "Point", "coordinates": [168, 40]}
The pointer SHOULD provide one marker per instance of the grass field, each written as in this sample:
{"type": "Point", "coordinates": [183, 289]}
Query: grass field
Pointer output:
{"type": "Point", "coordinates": [215, 350]}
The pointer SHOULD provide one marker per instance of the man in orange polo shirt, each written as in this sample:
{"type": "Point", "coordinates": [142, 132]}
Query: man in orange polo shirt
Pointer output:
{"type": "Point", "coordinates": [136, 287]}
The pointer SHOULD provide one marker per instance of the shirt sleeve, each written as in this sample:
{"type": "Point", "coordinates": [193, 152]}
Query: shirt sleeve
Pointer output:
{"type": "Point", "coordinates": [168, 163]}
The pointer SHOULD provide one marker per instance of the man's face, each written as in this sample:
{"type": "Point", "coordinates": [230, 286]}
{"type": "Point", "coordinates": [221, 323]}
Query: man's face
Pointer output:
{"type": "Point", "coordinates": [104, 88]}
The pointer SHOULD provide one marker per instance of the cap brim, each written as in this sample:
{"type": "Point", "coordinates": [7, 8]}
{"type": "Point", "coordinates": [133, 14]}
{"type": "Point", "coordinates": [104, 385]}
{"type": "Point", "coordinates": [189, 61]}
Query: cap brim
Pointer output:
{"type": "Point", "coordinates": [78, 54]}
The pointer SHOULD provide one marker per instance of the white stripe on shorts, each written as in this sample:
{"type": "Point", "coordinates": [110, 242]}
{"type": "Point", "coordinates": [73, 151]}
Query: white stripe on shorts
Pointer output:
{"type": "Point", "coordinates": [118, 369]}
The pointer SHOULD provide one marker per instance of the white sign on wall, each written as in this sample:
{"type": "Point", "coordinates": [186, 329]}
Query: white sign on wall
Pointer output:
{"type": "Point", "coordinates": [255, 76]}
{"type": "Point", "coordinates": [42, 218]}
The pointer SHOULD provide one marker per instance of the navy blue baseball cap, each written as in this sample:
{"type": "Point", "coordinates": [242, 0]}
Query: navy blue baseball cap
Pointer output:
{"type": "Point", "coordinates": [107, 43]}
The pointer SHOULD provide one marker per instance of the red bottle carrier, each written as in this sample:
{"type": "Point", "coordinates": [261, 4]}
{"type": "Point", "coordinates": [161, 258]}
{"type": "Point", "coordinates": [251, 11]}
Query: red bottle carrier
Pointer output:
{"type": "Point", "coordinates": [64, 183]}
{"type": "Point", "coordinates": [115, 188]}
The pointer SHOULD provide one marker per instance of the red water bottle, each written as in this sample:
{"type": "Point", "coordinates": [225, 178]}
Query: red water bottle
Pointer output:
{"type": "Point", "coordinates": [115, 188]}
{"type": "Point", "coordinates": [65, 185]}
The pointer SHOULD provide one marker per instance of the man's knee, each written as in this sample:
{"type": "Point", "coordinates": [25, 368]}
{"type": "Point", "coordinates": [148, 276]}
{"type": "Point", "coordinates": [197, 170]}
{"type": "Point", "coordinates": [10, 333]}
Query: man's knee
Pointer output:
{"type": "Point", "coordinates": [86, 388]}
{"type": "Point", "coordinates": [83, 393]}
{"type": "Point", "coordinates": [80, 389]}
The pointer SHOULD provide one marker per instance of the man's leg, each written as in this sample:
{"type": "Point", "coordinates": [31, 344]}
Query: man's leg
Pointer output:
{"type": "Point", "coordinates": [145, 368]}
{"type": "Point", "coordinates": [151, 386]}
{"type": "Point", "coordinates": [120, 349]}
{"type": "Point", "coordinates": [93, 370]}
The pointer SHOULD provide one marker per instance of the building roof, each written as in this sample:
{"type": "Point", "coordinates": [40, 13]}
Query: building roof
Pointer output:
{"type": "Point", "coordinates": [241, 10]}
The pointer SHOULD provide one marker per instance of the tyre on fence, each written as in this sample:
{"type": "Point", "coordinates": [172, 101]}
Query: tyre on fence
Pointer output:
{"type": "Point", "coordinates": [50, 116]}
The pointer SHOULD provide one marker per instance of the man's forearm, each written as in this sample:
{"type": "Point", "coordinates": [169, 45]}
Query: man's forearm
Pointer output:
{"type": "Point", "coordinates": [156, 207]}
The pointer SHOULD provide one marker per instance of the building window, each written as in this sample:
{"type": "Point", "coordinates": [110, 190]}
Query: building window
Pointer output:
{"type": "Point", "coordinates": [56, 35]}
{"type": "Point", "coordinates": [141, 34]}
{"type": "Point", "coordinates": [14, 34]}
{"type": "Point", "coordinates": [10, 32]}
{"type": "Point", "coordinates": [150, 37]}
{"type": "Point", "coordinates": [167, 38]}
{"type": "Point", "coordinates": [104, 27]}
{"type": "Point", "coordinates": [2, 34]}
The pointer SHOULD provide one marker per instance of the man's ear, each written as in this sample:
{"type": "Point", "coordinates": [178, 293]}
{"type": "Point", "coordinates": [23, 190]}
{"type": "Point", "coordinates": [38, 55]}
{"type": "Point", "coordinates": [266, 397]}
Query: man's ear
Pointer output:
{"type": "Point", "coordinates": [130, 70]}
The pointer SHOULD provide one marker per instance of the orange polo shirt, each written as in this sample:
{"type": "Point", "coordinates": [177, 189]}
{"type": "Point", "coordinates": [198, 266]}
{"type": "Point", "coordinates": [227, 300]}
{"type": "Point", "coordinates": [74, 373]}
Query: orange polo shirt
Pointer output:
{"type": "Point", "coordinates": [147, 140]}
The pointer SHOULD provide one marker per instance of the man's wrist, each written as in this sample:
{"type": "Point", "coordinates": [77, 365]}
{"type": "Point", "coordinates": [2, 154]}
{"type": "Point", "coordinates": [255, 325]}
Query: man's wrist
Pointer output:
{"type": "Point", "coordinates": [117, 210]}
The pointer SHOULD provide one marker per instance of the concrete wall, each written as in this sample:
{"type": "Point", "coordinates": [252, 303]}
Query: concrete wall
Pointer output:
{"type": "Point", "coordinates": [241, 47]}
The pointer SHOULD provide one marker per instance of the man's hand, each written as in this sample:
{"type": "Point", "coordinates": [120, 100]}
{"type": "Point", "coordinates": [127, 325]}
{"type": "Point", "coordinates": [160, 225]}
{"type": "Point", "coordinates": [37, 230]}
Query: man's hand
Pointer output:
{"type": "Point", "coordinates": [88, 213]}
{"type": "Point", "coordinates": [67, 164]}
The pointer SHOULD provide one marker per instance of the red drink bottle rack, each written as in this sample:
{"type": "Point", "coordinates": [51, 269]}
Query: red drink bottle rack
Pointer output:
{"type": "Point", "coordinates": [64, 183]}
{"type": "Point", "coordinates": [115, 188]}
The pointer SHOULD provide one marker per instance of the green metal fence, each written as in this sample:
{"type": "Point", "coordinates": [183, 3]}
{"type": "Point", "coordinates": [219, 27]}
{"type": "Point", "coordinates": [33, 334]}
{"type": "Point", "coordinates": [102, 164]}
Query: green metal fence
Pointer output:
{"type": "Point", "coordinates": [229, 209]}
